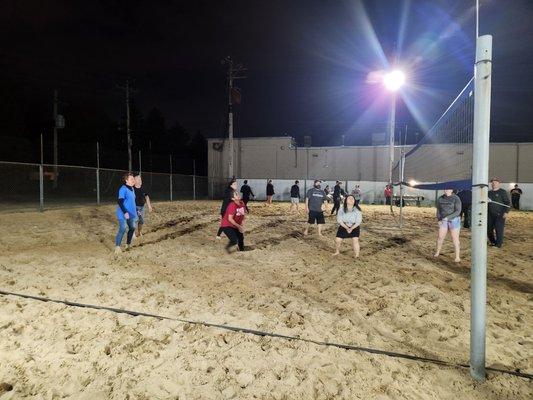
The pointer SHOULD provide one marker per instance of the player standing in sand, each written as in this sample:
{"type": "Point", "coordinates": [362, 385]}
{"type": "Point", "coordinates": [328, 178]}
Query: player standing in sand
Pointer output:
{"type": "Point", "coordinates": [314, 201]}
{"type": "Point", "coordinates": [232, 223]}
{"type": "Point", "coordinates": [349, 218]}
{"type": "Point", "coordinates": [269, 191]}
{"type": "Point", "coordinates": [126, 211]}
{"type": "Point", "coordinates": [228, 195]}
{"type": "Point", "coordinates": [141, 199]}
{"type": "Point", "coordinates": [448, 215]}
{"type": "Point", "coordinates": [247, 192]}
{"type": "Point", "coordinates": [295, 197]}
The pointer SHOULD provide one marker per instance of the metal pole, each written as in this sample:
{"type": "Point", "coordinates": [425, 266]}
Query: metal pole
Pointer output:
{"type": "Point", "coordinates": [480, 177]}
{"type": "Point", "coordinates": [56, 158]}
{"type": "Point", "coordinates": [170, 177]}
{"type": "Point", "coordinates": [392, 123]}
{"type": "Point", "coordinates": [41, 180]}
{"type": "Point", "coordinates": [402, 168]}
{"type": "Point", "coordinates": [128, 129]}
{"type": "Point", "coordinates": [140, 162]}
{"type": "Point", "coordinates": [194, 179]}
{"type": "Point", "coordinates": [230, 122]}
{"type": "Point", "coordinates": [97, 173]}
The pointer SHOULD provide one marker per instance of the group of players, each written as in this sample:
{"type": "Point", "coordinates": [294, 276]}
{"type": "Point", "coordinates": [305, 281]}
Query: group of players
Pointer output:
{"type": "Point", "coordinates": [235, 208]}
{"type": "Point", "coordinates": [132, 199]}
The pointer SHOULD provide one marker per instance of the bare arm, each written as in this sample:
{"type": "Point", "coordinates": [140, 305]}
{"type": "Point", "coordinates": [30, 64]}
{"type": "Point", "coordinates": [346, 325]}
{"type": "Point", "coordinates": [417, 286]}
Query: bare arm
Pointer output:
{"type": "Point", "coordinates": [148, 203]}
{"type": "Point", "coordinates": [235, 224]}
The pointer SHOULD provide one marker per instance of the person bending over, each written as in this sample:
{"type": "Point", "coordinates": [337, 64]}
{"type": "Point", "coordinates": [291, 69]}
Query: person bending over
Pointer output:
{"type": "Point", "coordinates": [226, 199]}
{"type": "Point", "coordinates": [233, 222]}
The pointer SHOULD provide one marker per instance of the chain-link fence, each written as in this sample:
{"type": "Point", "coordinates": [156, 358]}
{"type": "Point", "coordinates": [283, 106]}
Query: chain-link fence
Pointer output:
{"type": "Point", "coordinates": [40, 186]}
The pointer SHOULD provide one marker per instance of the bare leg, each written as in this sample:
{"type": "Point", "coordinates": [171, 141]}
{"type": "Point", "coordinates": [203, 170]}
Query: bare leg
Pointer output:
{"type": "Point", "coordinates": [306, 231]}
{"type": "Point", "coordinates": [440, 239]}
{"type": "Point", "coordinates": [338, 242]}
{"type": "Point", "coordinates": [355, 242]}
{"type": "Point", "coordinates": [454, 233]}
{"type": "Point", "coordinates": [319, 226]}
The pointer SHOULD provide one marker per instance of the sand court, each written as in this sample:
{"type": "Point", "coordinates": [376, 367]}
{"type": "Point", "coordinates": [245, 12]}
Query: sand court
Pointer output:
{"type": "Point", "coordinates": [395, 298]}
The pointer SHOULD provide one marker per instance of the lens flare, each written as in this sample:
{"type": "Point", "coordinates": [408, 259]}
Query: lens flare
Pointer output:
{"type": "Point", "coordinates": [394, 80]}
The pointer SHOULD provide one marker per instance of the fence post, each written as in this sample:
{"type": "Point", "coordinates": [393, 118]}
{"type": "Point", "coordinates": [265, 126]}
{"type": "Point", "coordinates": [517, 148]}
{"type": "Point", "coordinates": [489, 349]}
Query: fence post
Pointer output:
{"type": "Point", "coordinates": [41, 180]}
{"type": "Point", "coordinates": [97, 173]}
{"type": "Point", "coordinates": [170, 177]}
{"type": "Point", "coordinates": [194, 179]}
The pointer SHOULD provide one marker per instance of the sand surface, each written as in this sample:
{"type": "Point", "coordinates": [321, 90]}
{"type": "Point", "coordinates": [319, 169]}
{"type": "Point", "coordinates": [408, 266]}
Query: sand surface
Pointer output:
{"type": "Point", "coordinates": [395, 297]}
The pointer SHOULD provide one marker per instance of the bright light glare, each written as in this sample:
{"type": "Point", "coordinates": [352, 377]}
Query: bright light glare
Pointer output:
{"type": "Point", "coordinates": [394, 80]}
{"type": "Point", "coordinates": [511, 184]}
{"type": "Point", "coordinates": [412, 182]}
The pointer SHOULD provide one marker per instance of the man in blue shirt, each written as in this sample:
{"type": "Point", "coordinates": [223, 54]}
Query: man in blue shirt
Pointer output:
{"type": "Point", "coordinates": [126, 211]}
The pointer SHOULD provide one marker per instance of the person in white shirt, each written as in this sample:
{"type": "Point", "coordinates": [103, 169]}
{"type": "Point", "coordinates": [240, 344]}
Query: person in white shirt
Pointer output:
{"type": "Point", "coordinates": [349, 218]}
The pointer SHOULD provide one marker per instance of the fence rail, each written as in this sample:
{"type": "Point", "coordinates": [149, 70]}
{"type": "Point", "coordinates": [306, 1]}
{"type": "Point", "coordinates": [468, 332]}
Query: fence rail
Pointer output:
{"type": "Point", "coordinates": [40, 186]}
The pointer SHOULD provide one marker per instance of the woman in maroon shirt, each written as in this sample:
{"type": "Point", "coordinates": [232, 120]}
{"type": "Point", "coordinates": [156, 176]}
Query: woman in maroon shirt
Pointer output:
{"type": "Point", "coordinates": [232, 222]}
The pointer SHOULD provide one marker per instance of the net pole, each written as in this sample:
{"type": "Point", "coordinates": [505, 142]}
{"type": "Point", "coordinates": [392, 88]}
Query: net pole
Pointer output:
{"type": "Point", "coordinates": [392, 122]}
{"type": "Point", "coordinates": [194, 179]}
{"type": "Point", "coordinates": [170, 176]}
{"type": "Point", "coordinates": [402, 168]}
{"type": "Point", "coordinates": [41, 178]}
{"type": "Point", "coordinates": [97, 173]}
{"type": "Point", "coordinates": [480, 172]}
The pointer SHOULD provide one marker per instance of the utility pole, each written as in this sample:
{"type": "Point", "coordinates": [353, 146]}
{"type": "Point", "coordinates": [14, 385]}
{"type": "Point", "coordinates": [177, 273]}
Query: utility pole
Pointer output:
{"type": "Point", "coordinates": [128, 92]}
{"type": "Point", "coordinates": [59, 123]}
{"type": "Point", "coordinates": [235, 71]}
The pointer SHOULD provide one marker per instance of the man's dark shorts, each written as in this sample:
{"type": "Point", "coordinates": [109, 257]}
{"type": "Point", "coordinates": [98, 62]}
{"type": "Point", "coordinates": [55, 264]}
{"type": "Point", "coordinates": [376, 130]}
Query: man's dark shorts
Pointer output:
{"type": "Point", "coordinates": [316, 216]}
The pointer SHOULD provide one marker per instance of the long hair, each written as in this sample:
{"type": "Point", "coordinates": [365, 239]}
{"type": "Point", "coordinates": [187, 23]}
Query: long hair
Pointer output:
{"type": "Point", "coordinates": [356, 204]}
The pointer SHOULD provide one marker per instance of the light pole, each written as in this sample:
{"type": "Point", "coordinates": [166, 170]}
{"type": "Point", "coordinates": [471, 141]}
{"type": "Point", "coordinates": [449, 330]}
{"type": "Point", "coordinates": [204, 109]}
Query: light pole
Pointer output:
{"type": "Point", "coordinates": [393, 81]}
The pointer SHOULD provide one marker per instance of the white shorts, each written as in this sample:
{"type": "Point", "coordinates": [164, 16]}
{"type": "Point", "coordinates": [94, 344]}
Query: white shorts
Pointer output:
{"type": "Point", "coordinates": [295, 200]}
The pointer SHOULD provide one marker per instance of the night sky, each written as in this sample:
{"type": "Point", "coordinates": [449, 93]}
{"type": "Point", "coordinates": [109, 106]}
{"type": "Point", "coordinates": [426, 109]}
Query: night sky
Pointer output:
{"type": "Point", "coordinates": [307, 61]}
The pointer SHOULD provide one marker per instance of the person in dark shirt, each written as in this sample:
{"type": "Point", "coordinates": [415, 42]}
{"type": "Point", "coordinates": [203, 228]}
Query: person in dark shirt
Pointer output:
{"type": "Point", "coordinates": [516, 192]}
{"type": "Point", "coordinates": [246, 193]}
{"type": "Point", "coordinates": [269, 191]}
{"type": "Point", "coordinates": [141, 199]}
{"type": "Point", "coordinates": [337, 196]}
{"type": "Point", "coordinates": [466, 202]}
{"type": "Point", "coordinates": [498, 208]}
{"type": "Point", "coordinates": [313, 204]}
{"type": "Point", "coordinates": [226, 199]}
{"type": "Point", "coordinates": [295, 197]}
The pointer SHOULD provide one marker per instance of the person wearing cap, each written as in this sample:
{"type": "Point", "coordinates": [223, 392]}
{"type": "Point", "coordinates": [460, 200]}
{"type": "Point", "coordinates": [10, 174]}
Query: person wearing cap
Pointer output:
{"type": "Point", "coordinates": [448, 215]}
{"type": "Point", "coordinates": [498, 208]}
{"type": "Point", "coordinates": [314, 200]}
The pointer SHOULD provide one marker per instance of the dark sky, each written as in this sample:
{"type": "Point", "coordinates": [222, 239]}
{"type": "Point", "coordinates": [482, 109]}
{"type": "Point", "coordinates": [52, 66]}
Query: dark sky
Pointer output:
{"type": "Point", "coordinates": [307, 60]}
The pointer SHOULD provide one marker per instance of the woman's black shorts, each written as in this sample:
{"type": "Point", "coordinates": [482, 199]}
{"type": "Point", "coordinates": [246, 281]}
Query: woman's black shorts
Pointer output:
{"type": "Point", "coordinates": [343, 233]}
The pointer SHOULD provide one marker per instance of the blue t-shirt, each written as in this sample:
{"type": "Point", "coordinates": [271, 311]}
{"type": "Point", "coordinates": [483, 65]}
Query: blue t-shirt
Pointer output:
{"type": "Point", "coordinates": [129, 202]}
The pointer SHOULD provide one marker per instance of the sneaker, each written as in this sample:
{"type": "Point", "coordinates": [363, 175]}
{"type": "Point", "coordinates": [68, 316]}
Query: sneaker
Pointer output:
{"type": "Point", "coordinates": [118, 250]}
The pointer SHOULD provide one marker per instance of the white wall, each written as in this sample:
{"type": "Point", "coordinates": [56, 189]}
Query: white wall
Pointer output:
{"type": "Point", "coordinates": [372, 192]}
